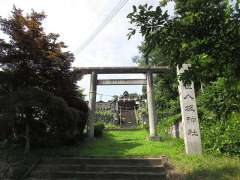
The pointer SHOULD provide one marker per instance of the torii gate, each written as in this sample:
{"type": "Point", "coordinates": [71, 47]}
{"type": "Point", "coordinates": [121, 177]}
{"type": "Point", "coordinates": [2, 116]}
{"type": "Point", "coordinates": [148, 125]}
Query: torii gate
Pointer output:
{"type": "Point", "coordinates": [189, 113]}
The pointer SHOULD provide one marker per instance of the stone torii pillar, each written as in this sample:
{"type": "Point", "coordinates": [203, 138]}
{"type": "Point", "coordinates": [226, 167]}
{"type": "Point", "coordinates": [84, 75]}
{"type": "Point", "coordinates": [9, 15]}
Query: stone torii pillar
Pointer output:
{"type": "Point", "coordinates": [151, 108]}
{"type": "Point", "coordinates": [92, 105]}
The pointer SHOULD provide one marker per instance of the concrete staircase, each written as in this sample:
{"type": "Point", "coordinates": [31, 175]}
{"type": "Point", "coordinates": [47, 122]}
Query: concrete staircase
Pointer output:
{"type": "Point", "coordinates": [100, 169]}
{"type": "Point", "coordinates": [129, 119]}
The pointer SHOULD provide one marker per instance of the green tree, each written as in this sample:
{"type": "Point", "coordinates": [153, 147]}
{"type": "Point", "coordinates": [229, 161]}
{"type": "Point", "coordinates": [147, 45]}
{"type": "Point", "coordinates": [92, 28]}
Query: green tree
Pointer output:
{"type": "Point", "coordinates": [205, 34]}
{"type": "Point", "coordinates": [35, 65]}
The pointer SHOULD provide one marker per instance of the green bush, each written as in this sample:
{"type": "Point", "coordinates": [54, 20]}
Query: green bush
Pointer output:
{"type": "Point", "coordinates": [50, 118]}
{"type": "Point", "coordinates": [165, 124]}
{"type": "Point", "coordinates": [146, 126]}
{"type": "Point", "coordinates": [218, 108]}
{"type": "Point", "coordinates": [222, 137]}
{"type": "Point", "coordinates": [219, 117]}
{"type": "Point", "coordinates": [111, 126]}
{"type": "Point", "coordinates": [98, 129]}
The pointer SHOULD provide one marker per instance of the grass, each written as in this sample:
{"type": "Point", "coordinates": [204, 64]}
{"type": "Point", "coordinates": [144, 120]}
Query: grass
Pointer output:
{"type": "Point", "coordinates": [134, 144]}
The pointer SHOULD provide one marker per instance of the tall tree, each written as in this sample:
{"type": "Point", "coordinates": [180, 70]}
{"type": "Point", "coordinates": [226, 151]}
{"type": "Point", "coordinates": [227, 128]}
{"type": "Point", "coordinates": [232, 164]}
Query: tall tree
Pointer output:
{"type": "Point", "coordinates": [32, 60]}
{"type": "Point", "coordinates": [203, 33]}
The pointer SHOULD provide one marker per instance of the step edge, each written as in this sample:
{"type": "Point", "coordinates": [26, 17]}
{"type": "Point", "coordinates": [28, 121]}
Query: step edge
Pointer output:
{"type": "Point", "coordinates": [99, 173]}
{"type": "Point", "coordinates": [91, 165]}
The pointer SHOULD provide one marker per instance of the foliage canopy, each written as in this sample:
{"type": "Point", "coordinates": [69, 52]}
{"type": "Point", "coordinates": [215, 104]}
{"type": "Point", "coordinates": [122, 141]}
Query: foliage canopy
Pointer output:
{"type": "Point", "coordinates": [205, 34]}
{"type": "Point", "coordinates": [38, 93]}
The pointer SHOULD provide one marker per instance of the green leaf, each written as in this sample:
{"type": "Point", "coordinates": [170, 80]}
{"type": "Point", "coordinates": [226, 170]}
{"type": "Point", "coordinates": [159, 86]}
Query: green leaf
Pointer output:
{"type": "Point", "coordinates": [134, 8]}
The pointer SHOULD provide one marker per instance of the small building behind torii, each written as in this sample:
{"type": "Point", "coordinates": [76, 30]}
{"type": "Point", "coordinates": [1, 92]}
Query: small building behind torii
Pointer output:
{"type": "Point", "coordinates": [123, 108]}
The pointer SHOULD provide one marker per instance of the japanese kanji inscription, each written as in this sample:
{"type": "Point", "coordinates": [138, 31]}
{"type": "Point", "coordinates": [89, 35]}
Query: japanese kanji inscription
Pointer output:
{"type": "Point", "coordinates": [191, 131]}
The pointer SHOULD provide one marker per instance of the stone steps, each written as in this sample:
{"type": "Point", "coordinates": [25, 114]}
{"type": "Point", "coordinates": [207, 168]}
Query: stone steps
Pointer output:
{"type": "Point", "coordinates": [98, 175]}
{"type": "Point", "coordinates": [104, 161]}
{"type": "Point", "coordinates": [100, 169]}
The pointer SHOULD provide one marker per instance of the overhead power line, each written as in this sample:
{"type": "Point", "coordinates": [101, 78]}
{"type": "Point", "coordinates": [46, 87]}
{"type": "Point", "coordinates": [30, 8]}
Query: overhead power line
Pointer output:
{"type": "Point", "coordinates": [101, 26]}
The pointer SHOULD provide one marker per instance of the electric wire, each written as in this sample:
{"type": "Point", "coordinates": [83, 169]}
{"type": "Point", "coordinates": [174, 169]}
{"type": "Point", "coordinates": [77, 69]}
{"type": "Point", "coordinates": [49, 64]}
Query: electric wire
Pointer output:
{"type": "Point", "coordinates": [101, 26]}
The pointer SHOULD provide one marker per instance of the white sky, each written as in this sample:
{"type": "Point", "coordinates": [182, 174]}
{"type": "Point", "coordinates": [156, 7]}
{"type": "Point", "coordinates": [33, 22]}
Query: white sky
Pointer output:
{"type": "Point", "coordinates": [75, 21]}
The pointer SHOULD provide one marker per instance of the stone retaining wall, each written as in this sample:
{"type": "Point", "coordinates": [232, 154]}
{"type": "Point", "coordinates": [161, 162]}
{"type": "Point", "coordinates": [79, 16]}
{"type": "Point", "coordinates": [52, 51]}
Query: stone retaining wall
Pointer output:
{"type": "Point", "coordinates": [176, 130]}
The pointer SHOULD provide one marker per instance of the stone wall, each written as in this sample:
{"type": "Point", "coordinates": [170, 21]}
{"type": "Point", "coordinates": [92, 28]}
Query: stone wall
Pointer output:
{"type": "Point", "coordinates": [101, 106]}
{"type": "Point", "coordinates": [176, 130]}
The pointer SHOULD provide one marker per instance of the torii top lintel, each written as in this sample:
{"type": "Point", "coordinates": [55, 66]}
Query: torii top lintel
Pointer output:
{"type": "Point", "coordinates": [120, 70]}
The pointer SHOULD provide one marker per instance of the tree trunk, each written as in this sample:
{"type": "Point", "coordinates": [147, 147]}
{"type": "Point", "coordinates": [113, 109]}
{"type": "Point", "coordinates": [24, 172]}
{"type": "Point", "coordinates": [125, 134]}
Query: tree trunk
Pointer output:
{"type": "Point", "coordinates": [27, 138]}
{"type": "Point", "coordinates": [201, 84]}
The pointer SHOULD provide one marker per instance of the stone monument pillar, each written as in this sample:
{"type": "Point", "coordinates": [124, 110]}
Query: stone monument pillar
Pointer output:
{"type": "Point", "coordinates": [191, 131]}
{"type": "Point", "coordinates": [151, 108]}
{"type": "Point", "coordinates": [92, 105]}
